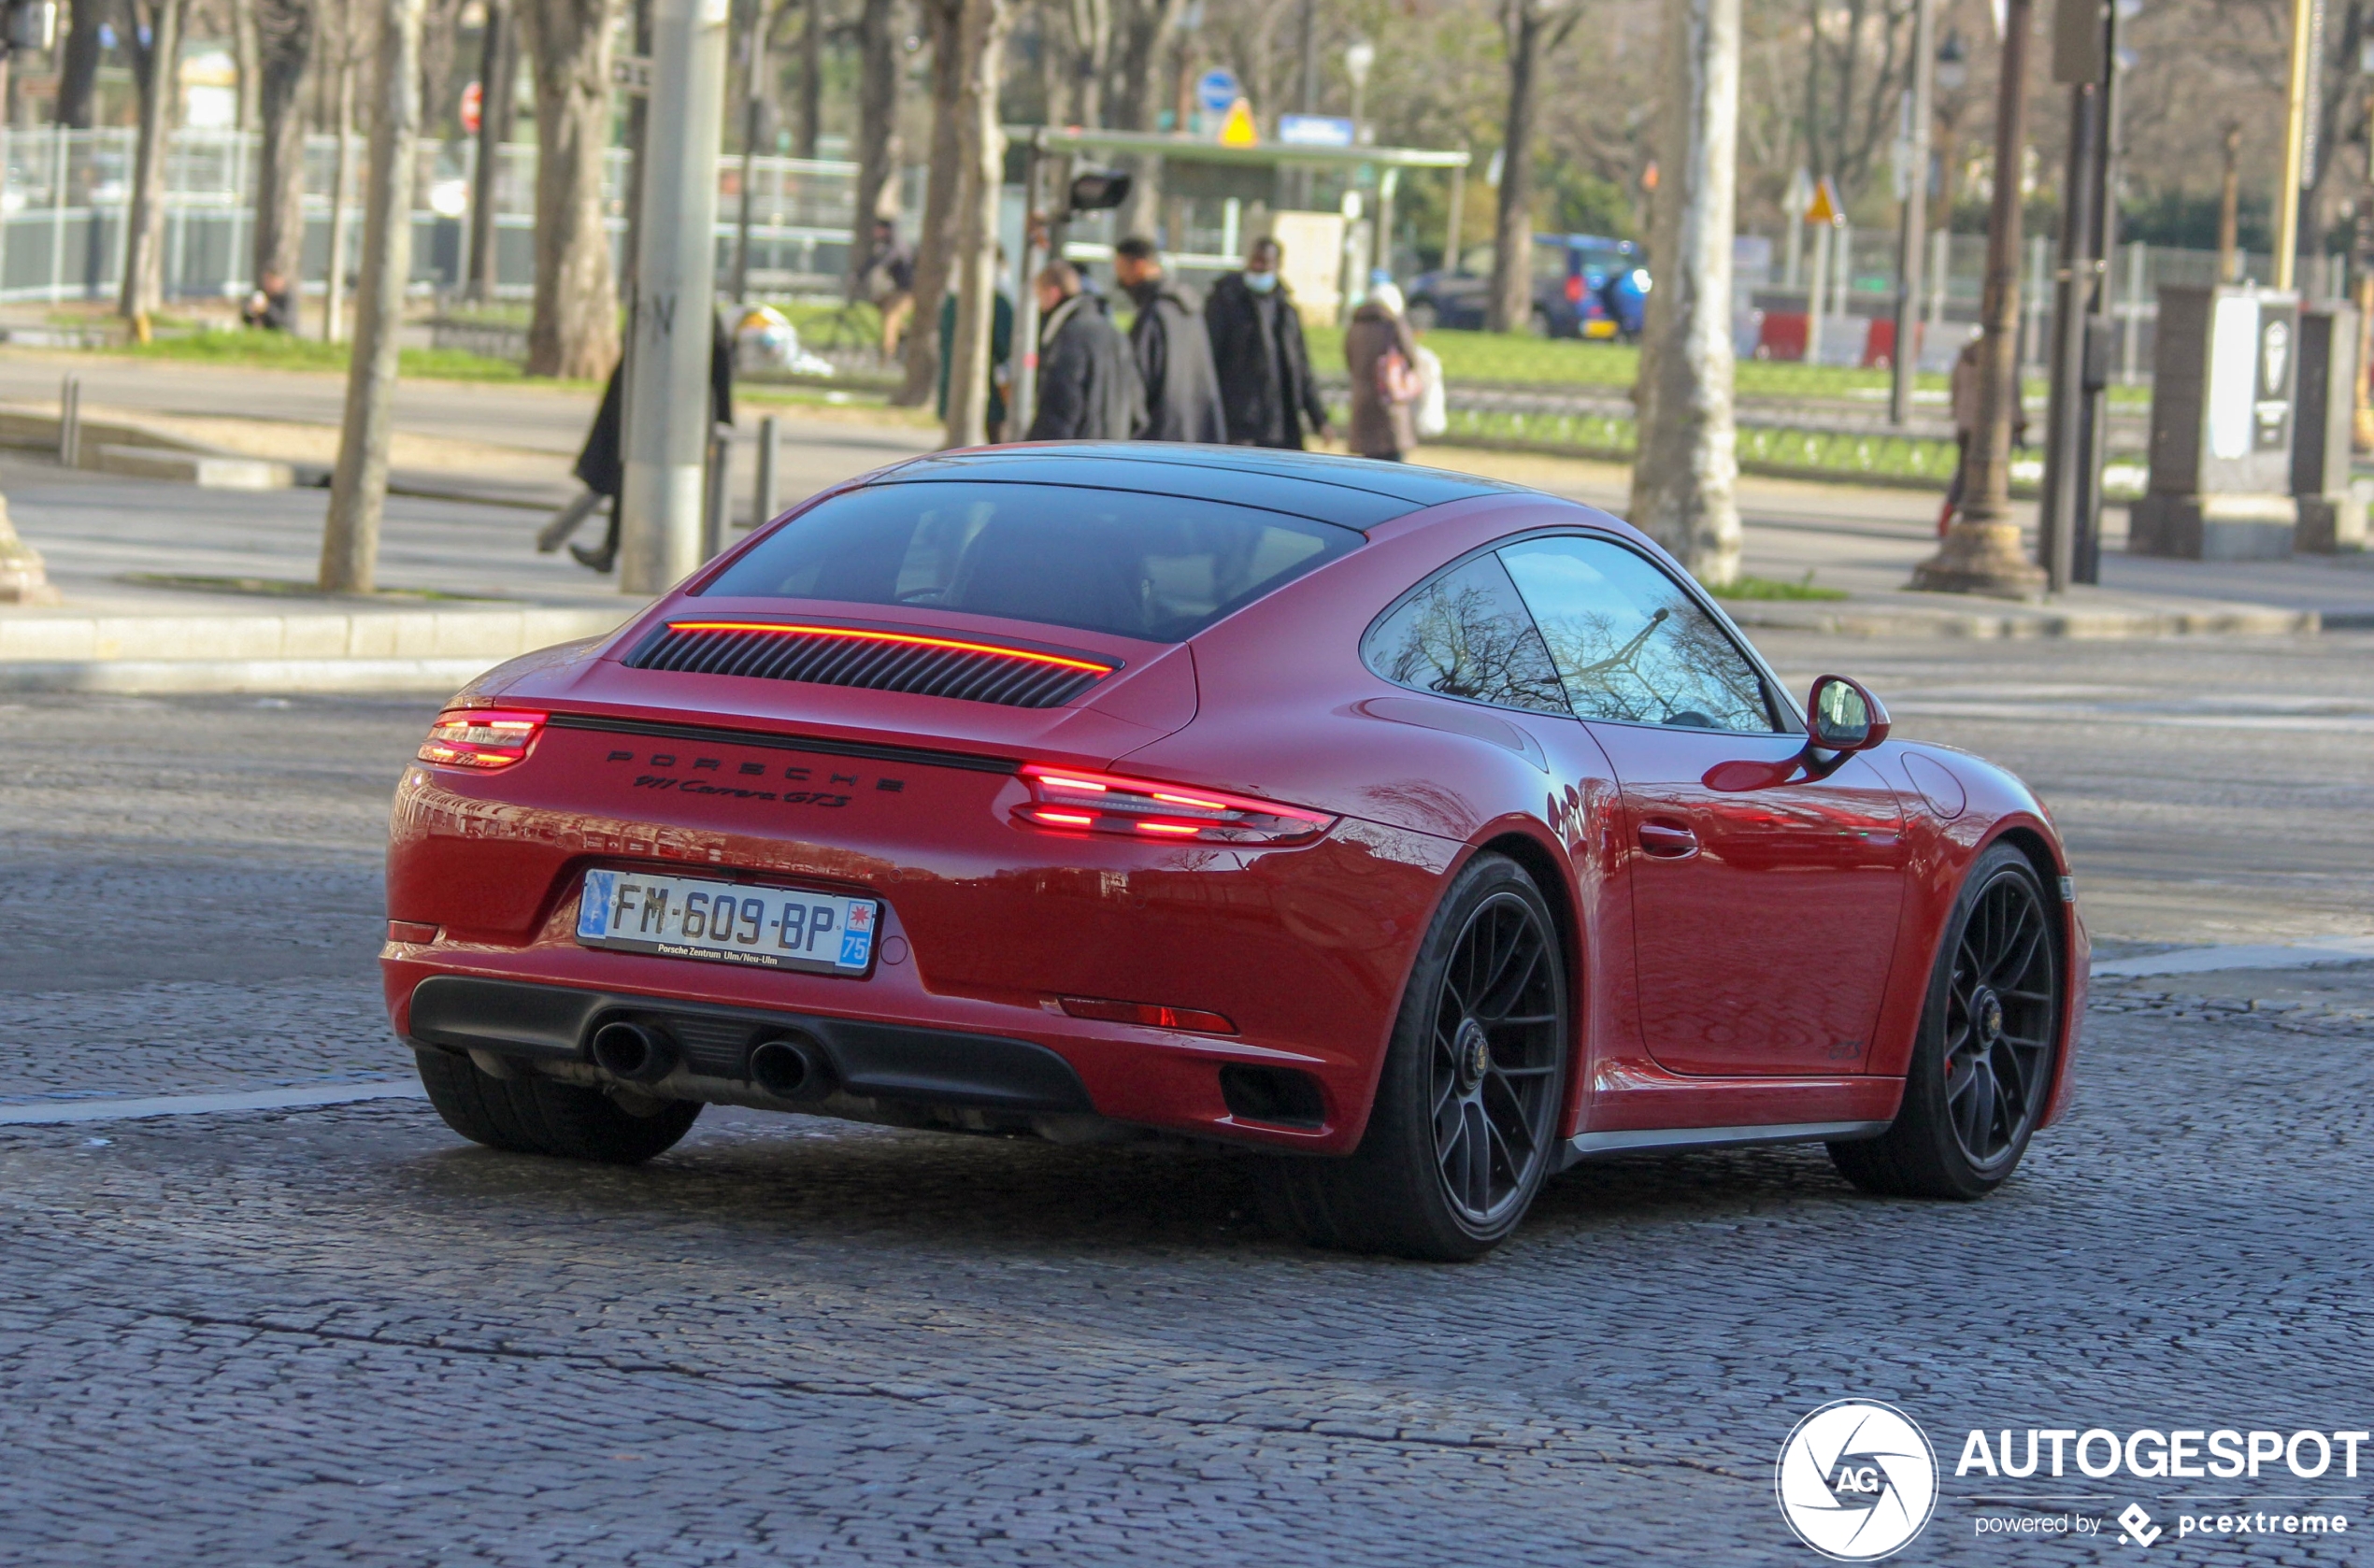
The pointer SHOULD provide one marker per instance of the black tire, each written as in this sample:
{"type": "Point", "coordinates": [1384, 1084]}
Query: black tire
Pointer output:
{"type": "Point", "coordinates": [533, 1115]}
{"type": "Point", "coordinates": [1463, 1130]}
{"type": "Point", "coordinates": [1982, 1063]}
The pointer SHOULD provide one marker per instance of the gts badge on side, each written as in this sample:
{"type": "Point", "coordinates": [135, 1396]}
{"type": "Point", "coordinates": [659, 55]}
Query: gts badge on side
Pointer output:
{"type": "Point", "coordinates": [748, 780]}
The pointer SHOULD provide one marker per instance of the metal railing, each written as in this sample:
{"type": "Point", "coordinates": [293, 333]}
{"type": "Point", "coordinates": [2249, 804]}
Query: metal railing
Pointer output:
{"type": "Point", "coordinates": [68, 193]}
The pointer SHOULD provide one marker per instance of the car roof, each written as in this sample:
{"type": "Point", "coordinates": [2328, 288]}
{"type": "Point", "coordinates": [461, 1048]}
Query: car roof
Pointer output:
{"type": "Point", "coordinates": [1348, 491]}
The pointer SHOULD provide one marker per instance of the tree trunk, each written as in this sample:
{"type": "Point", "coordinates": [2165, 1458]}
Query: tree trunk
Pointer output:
{"type": "Point", "coordinates": [573, 332]}
{"type": "Point", "coordinates": [811, 79]}
{"type": "Point", "coordinates": [1509, 304]}
{"type": "Point", "coordinates": [143, 289]}
{"type": "Point", "coordinates": [1091, 36]}
{"type": "Point", "coordinates": [341, 198]}
{"type": "Point", "coordinates": [442, 74]}
{"type": "Point", "coordinates": [1684, 479]}
{"type": "Point", "coordinates": [876, 119]}
{"type": "Point", "coordinates": [1136, 98]}
{"type": "Point", "coordinates": [935, 252]}
{"type": "Point", "coordinates": [358, 488]}
{"type": "Point", "coordinates": [248, 49]}
{"type": "Point", "coordinates": [287, 35]}
{"type": "Point", "coordinates": [78, 62]}
{"type": "Point", "coordinates": [982, 141]}
{"type": "Point", "coordinates": [2229, 206]}
{"type": "Point", "coordinates": [498, 66]}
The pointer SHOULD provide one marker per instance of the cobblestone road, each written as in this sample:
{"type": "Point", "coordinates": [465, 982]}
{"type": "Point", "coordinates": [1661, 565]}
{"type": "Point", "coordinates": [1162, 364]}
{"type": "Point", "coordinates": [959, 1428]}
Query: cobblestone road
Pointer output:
{"type": "Point", "coordinates": [341, 1335]}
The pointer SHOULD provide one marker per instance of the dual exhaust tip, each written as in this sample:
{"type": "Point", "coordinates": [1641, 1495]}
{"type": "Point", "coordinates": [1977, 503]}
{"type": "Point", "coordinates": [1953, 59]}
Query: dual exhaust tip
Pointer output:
{"type": "Point", "coordinates": [793, 1066]}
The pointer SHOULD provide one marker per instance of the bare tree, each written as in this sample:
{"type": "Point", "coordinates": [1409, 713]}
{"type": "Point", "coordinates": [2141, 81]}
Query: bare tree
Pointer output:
{"type": "Point", "coordinates": [154, 65]}
{"type": "Point", "coordinates": [358, 488]}
{"type": "Point", "coordinates": [288, 33]}
{"type": "Point", "coordinates": [981, 44]}
{"type": "Point", "coordinates": [78, 62]}
{"type": "Point", "coordinates": [1684, 478]}
{"type": "Point", "coordinates": [1534, 29]}
{"type": "Point", "coordinates": [443, 77]}
{"type": "Point", "coordinates": [574, 329]}
{"type": "Point", "coordinates": [498, 71]}
{"type": "Point", "coordinates": [349, 41]}
{"type": "Point", "coordinates": [876, 122]}
{"type": "Point", "coordinates": [935, 247]}
{"type": "Point", "coordinates": [248, 49]}
{"type": "Point", "coordinates": [1145, 26]}
{"type": "Point", "coordinates": [1091, 24]}
{"type": "Point", "coordinates": [811, 78]}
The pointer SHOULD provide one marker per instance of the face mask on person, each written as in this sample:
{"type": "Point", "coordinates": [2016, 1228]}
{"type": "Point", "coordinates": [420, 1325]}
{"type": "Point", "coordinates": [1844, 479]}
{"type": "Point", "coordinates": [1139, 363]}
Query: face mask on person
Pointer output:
{"type": "Point", "coordinates": [1260, 282]}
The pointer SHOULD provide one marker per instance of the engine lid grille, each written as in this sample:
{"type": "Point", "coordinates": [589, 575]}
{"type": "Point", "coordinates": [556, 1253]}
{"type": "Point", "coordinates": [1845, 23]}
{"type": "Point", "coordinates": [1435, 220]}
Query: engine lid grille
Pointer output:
{"type": "Point", "coordinates": [876, 660]}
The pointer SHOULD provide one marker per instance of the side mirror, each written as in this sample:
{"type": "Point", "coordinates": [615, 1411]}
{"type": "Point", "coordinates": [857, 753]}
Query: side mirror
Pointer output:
{"type": "Point", "coordinates": [1099, 189]}
{"type": "Point", "coordinates": [1841, 716]}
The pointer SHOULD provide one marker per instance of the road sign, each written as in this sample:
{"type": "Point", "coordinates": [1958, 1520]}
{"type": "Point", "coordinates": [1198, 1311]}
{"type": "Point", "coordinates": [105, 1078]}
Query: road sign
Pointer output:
{"type": "Point", "coordinates": [1216, 89]}
{"type": "Point", "coordinates": [1824, 208]}
{"type": "Point", "coordinates": [1314, 129]}
{"type": "Point", "coordinates": [1239, 130]}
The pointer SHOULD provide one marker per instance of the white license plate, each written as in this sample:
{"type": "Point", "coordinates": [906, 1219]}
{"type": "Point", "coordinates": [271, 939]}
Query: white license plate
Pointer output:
{"type": "Point", "coordinates": [684, 916]}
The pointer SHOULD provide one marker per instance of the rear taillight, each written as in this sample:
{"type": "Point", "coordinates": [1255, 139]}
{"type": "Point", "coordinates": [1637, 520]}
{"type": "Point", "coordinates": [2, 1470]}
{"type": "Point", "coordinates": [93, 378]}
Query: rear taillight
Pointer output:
{"type": "Point", "coordinates": [480, 737]}
{"type": "Point", "coordinates": [1152, 1015]}
{"type": "Point", "coordinates": [1574, 289]}
{"type": "Point", "coordinates": [1071, 800]}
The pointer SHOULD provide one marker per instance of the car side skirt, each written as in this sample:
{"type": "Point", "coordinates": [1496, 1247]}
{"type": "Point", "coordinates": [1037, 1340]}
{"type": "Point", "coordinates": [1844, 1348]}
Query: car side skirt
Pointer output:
{"type": "Point", "coordinates": [1586, 1145]}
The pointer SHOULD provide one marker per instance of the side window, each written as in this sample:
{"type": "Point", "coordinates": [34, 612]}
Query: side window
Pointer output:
{"type": "Point", "coordinates": [1630, 645]}
{"type": "Point", "coordinates": [1466, 634]}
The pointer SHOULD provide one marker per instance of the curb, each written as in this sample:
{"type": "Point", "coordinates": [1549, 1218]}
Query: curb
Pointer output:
{"type": "Point", "coordinates": [230, 676]}
{"type": "Point", "coordinates": [2240, 621]}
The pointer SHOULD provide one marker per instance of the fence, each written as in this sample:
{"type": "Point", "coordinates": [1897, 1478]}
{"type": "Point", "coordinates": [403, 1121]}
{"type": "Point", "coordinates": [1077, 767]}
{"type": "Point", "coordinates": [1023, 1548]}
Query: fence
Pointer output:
{"type": "Point", "coordinates": [63, 206]}
{"type": "Point", "coordinates": [1954, 275]}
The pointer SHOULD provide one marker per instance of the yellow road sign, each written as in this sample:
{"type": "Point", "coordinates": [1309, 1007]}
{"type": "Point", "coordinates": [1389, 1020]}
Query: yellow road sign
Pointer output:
{"type": "Point", "coordinates": [1824, 208]}
{"type": "Point", "coordinates": [1239, 130]}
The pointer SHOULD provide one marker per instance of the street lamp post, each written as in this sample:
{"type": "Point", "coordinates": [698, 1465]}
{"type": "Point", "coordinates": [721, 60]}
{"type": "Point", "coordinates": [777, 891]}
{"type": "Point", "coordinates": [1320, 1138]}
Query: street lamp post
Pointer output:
{"type": "Point", "coordinates": [1358, 57]}
{"type": "Point", "coordinates": [1914, 216]}
{"type": "Point", "coordinates": [1980, 553]}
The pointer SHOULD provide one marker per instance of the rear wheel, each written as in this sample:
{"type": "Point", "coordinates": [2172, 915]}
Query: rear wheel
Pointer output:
{"type": "Point", "coordinates": [533, 1115]}
{"type": "Point", "coordinates": [1982, 1064]}
{"type": "Point", "coordinates": [1465, 1128]}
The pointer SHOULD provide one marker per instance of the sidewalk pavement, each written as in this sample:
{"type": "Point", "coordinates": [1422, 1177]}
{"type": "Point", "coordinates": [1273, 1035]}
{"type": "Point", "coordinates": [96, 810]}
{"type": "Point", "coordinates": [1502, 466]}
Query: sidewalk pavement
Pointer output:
{"type": "Point", "coordinates": [149, 569]}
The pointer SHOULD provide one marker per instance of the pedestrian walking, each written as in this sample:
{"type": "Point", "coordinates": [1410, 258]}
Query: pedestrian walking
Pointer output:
{"type": "Point", "coordinates": [1962, 395]}
{"type": "Point", "coordinates": [1172, 350]}
{"type": "Point", "coordinates": [1088, 388]}
{"type": "Point", "coordinates": [1382, 357]}
{"type": "Point", "coordinates": [1001, 350]}
{"type": "Point", "coordinates": [601, 466]}
{"type": "Point", "coordinates": [887, 281]}
{"type": "Point", "coordinates": [1257, 350]}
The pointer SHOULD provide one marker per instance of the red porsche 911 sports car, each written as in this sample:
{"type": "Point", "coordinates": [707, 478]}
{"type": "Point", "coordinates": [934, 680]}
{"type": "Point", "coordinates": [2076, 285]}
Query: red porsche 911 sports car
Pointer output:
{"type": "Point", "coordinates": [1416, 834]}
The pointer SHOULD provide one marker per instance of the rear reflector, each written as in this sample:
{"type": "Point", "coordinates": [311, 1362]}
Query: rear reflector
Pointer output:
{"type": "Point", "coordinates": [1074, 800]}
{"type": "Point", "coordinates": [414, 932]}
{"type": "Point", "coordinates": [484, 738]}
{"type": "Point", "coordinates": [1149, 1014]}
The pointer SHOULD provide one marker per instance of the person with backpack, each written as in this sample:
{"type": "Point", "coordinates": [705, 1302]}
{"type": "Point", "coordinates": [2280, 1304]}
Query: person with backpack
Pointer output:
{"type": "Point", "coordinates": [1382, 357]}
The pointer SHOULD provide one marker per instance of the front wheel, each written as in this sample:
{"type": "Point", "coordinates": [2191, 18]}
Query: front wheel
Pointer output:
{"type": "Point", "coordinates": [1464, 1127]}
{"type": "Point", "coordinates": [1982, 1063]}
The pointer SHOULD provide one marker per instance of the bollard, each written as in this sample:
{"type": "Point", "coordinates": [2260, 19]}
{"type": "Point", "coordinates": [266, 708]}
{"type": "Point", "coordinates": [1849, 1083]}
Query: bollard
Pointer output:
{"type": "Point", "coordinates": [721, 485]}
{"type": "Point", "coordinates": [769, 444]}
{"type": "Point", "coordinates": [70, 422]}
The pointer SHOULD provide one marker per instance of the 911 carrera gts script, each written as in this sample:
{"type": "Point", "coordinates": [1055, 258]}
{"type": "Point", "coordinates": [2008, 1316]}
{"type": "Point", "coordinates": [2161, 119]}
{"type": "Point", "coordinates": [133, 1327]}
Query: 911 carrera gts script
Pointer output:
{"type": "Point", "coordinates": [748, 779]}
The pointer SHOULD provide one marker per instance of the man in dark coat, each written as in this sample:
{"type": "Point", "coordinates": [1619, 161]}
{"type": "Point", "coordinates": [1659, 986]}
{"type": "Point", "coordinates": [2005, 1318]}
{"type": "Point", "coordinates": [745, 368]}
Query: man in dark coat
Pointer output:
{"type": "Point", "coordinates": [1257, 347]}
{"type": "Point", "coordinates": [1088, 388]}
{"type": "Point", "coordinates": [1172, 350]}
{"type": "Point", "coordinates": [601, 466]}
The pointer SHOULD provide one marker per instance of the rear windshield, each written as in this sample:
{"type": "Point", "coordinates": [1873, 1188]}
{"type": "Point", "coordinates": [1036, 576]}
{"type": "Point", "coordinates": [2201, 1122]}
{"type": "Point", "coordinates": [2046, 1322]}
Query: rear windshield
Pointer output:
{"type": "Point", "coordinates": [1162, 567]}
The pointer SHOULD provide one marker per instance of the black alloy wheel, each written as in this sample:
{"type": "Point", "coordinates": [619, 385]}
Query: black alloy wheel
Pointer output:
{"type": "Point", "coordinates": [1465, 1128]}
{"type": "Point", "coordinates": [1999, 1026]}
{"type": "Point", "coordinates": [1982, 1066]}
{"type": "Point", "coordinates": [1495, 1058]}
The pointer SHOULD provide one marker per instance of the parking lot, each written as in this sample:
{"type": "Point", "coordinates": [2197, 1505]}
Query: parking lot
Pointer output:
{"type": "Point", "coordinates": [339, 1333]}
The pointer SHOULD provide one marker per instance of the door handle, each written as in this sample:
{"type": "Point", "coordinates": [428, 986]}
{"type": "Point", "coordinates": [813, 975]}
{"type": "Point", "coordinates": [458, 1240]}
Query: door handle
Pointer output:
{"type": "Point", "coordinates": [1668, 841]}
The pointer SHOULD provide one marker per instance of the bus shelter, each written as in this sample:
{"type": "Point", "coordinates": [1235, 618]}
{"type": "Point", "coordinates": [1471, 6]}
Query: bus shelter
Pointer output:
{"type": "Point", "coordinates": [1268, 183]}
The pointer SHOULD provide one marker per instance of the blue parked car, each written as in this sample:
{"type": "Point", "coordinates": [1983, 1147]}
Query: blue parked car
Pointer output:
{"type": "Point", "coordinates": [1583, 286]}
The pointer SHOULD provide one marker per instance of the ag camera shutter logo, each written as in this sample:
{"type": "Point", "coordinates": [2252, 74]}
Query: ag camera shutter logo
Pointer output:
{"type": "Point", "coordinates": [1856, 1480]}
